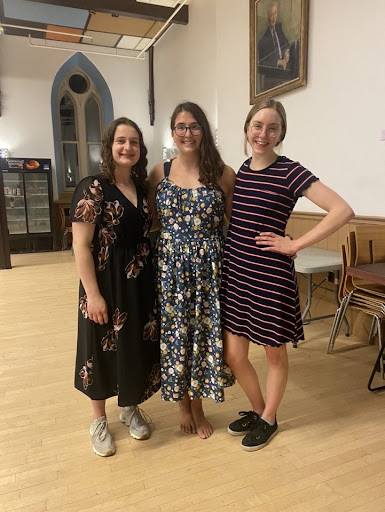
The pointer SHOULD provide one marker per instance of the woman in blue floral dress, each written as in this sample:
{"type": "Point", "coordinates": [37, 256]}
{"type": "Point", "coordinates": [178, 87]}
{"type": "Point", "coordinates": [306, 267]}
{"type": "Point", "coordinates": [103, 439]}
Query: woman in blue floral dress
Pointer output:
{"type": "Point", "coordinates": [191, 195]}
{"type": "Point", "coordinates": [118, 340]}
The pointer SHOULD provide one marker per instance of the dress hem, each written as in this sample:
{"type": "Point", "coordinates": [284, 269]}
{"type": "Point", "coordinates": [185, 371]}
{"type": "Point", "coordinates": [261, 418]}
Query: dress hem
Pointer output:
{"type": "Point", "coordinates": [276, 345]}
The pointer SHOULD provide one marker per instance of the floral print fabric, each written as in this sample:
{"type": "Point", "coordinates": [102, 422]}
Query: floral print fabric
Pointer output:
{"type": "Point", "coordinates": [121, 357]}
{"type": "Point", "coordinates": [189, 260]}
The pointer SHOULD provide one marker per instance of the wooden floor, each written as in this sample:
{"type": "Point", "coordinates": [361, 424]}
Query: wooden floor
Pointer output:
{"type": "Point", "coordinates": [329, 455]}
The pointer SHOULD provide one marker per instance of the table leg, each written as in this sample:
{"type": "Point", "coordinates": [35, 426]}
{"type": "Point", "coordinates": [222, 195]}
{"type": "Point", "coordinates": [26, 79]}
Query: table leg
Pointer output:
{"type": "Point", "coordinates": [372, 331]}
{"type": "Point", "coordinates": [309, 296]}
{"type": "Point", "coordinates": [378, 365]}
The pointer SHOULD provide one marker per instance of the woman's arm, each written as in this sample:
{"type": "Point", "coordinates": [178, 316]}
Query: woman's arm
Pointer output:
{"type": "Point", "coordinates": [155, 176]}
{"type": "Point", "coordinates": [82, 234]}
{"type": "Point", "coordinates": [227, 183]}
{"type": "Point", "coordinates": [339, 213]}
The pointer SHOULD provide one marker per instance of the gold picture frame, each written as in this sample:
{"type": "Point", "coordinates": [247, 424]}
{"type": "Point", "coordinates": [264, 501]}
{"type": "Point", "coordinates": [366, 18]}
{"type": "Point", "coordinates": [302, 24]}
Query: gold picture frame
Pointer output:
{"type": "Point", "coordinates": [278, 46]}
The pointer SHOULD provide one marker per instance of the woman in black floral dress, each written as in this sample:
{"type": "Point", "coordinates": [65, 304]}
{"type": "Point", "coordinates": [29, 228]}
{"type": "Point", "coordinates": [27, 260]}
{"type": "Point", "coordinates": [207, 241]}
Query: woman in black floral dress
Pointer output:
{"type": "Point", "coordinates": [118, 342]}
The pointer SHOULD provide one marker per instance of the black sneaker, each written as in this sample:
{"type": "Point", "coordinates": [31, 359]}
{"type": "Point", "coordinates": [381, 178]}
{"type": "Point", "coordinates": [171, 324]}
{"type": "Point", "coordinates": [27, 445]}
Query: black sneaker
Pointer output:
{"type": "Point", "coordinates": [242, 426]}
{"type": "Point", "coordinates": [259, 436]}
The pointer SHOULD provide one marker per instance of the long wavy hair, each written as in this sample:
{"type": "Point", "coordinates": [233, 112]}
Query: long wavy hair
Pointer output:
{"type": "Point", "coordinates": [267, 103]}
{"type": "Point", "coordinates": [139, 170]}
{"type": "Point", "coordinates": [211, 165]}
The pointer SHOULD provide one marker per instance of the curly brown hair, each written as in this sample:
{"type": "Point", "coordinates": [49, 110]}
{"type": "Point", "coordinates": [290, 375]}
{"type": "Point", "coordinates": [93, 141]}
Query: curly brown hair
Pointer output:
{"type": "Point", "coordinates": [139, 170]}
{"type": "Point", "coordinates": [211, 165]}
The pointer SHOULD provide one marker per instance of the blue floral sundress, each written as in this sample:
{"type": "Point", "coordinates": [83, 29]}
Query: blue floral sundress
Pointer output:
{"type": "Point", "coordinates": [189, 260]}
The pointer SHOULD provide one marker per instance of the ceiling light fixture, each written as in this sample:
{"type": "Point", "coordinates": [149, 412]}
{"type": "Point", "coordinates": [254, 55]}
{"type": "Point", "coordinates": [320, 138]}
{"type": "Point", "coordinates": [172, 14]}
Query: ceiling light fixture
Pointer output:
{"type": "Point", "coordinates": [81, 48]}
{"type": "Point", "coordinates": [44, 30]}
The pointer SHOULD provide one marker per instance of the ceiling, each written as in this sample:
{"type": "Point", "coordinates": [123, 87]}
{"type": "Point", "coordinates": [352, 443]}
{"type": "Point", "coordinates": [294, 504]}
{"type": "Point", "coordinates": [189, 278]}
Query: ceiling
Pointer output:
{"type": "Point", "coordinates": [118, 24]}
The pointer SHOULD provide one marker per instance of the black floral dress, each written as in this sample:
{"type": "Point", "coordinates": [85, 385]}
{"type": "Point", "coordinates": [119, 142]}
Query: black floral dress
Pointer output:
{"type": "Point", "coordinates": [121, 357]}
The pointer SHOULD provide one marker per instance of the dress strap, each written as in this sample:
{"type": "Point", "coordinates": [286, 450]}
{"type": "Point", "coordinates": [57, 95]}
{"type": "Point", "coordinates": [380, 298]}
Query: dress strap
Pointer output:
{"type": "Point", "coordinates": [167, 168]}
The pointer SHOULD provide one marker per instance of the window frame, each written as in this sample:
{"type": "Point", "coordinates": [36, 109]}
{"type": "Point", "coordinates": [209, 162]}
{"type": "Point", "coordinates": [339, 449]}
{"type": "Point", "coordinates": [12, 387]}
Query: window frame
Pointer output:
{"type": "Point", "coordinates": [79, 102]}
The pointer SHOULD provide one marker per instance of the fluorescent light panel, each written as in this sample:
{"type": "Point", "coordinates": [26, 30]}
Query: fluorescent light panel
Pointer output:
{"type": "Point", "coordinates": [164, 3]}
{"type": "Point", "coordinates": [133, 43]}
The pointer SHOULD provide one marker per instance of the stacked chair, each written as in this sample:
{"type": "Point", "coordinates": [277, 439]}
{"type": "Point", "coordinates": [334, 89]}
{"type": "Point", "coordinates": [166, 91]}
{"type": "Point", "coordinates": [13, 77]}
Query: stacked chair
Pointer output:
{"type": "Point", "coordinates": [364, 245]}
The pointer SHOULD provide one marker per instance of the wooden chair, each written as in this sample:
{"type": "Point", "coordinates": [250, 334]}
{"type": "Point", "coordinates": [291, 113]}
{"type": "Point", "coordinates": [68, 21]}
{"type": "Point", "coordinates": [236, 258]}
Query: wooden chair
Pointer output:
{"type": "Point", "coordinates": [362, 247]}
{"type": "Point", "coordinates": [370, 244]}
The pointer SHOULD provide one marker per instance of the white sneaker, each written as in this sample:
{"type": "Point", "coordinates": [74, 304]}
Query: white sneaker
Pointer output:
{"type": "Point", "coordinates": [102, 441]}
{"type": "Point", "coordinates": [137, 422]}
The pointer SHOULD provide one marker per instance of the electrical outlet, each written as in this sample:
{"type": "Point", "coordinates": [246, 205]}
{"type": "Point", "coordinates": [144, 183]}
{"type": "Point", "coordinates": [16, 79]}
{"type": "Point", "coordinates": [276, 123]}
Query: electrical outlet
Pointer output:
{"type": "Point", "coordinates": [382, 136]}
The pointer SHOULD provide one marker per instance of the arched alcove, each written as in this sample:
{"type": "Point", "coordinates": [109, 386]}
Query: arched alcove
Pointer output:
{"type": "Point", "coordinates": [81, 106]}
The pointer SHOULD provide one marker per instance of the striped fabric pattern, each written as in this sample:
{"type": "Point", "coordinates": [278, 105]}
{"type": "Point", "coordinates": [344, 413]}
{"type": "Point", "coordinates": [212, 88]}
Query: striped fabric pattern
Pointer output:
{"type": "Point", "coordinates": [259, 295]}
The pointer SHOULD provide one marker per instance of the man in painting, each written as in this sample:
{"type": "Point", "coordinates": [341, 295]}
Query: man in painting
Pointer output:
{"type": "Point", "coordinates": [278, 59]}
{"type": "Point", "coordinates": [273, 50]}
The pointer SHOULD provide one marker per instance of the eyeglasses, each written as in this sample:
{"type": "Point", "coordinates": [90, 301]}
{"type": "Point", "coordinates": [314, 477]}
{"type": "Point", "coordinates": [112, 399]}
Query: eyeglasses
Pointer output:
{"type": "Point", "coordinates": [181, 129]}
{"type": "Point", "coordinates": [271, 131]}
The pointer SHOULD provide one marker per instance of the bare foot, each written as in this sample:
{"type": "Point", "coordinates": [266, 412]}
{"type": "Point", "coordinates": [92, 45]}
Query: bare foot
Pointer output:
{"type": "Point", "coordinates": [204, 428]}
{"type": "Point", "coordinates": [187, 423]}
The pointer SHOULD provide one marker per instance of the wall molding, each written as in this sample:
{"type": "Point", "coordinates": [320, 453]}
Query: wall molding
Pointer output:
{"type": "Point", "coordinates": [359, 219]}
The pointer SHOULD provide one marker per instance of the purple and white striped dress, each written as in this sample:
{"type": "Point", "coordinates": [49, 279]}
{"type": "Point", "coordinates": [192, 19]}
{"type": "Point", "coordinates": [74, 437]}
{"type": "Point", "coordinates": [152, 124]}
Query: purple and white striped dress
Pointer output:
{"type": "Point", "coordinates": [259, 294]}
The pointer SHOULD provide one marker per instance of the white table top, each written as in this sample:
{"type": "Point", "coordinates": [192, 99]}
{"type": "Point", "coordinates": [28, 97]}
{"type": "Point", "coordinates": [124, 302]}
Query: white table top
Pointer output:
{"type": "Point", "coordinates": [313, 260]}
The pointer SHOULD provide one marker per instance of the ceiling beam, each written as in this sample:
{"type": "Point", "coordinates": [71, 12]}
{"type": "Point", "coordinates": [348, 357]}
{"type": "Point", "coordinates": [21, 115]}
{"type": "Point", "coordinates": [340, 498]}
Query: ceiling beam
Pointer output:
{"type": "Point", "coordinates": [130, 8]}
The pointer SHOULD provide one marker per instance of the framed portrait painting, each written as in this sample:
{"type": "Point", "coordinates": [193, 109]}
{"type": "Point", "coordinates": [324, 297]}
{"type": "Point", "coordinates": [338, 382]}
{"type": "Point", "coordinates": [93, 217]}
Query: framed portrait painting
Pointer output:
{"type": "Point", "coordinates": [278, 46]}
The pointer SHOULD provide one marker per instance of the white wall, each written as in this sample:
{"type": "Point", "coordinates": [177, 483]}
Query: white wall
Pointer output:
{"type": "Point", "coordinates": [185, 69]}
{"type": "Point", "coordinates": [27, 75]}
{"type": "Point", "coordinates": [334, 123]}
{"type": "Point", "coordinates": [26, 82]}
{"type": "Point", "coordinates": [233, 78]}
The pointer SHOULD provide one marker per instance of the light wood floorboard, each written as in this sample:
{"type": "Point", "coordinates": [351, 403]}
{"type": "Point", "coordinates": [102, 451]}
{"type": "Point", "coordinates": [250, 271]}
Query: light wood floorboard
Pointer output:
{"type": "Point", "coordinates": [329, 455]}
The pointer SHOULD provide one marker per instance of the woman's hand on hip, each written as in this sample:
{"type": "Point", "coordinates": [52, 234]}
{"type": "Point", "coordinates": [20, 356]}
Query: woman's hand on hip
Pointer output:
{"type": "Point", "coordinates": [268, 241]}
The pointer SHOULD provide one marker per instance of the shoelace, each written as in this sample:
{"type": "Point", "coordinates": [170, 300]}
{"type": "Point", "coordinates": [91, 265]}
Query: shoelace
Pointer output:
{"type": "Point", "coordinates": [251, 418]}
{"type": "Point", "coordinates": [100, 430]}
{"type": "Point", "coordinates": [245, 413]}
{"type": "Point", "coordinates": [141, 415]}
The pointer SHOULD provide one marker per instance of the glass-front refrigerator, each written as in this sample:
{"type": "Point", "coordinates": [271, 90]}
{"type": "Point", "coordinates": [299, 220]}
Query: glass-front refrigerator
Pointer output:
{"type": "Point", "coordinates": [28, 201]}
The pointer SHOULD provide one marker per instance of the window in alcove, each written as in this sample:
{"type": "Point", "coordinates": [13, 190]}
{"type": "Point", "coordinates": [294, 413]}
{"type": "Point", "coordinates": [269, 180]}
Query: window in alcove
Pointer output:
{"type": "Point", "coordinates": [80, 114]}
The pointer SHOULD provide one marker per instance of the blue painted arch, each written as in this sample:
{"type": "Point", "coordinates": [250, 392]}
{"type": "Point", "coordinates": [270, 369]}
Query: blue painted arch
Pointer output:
{"type": "Point", "coordinates": [77, 61]}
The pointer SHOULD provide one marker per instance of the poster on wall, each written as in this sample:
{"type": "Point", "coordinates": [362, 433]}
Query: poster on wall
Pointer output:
{"type": "Point", "coordinates": [278, 46]}
{"type": "Point", "coordinates": [25, 164]}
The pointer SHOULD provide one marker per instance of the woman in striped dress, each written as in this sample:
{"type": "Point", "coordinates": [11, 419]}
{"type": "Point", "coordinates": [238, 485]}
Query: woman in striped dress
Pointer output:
{"type": "Point", "coordinates": [259, 296]}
